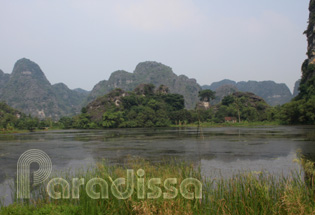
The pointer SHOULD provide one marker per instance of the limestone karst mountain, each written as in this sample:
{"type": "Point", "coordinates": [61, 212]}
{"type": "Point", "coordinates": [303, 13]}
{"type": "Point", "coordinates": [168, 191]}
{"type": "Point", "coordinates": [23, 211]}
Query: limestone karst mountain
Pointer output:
{"type": "Point", "coordinates": [28, 90]}
{"type": "Point", "coordinates": [273, 93]}
{"type": "Point", "coordinates": [150, 73]}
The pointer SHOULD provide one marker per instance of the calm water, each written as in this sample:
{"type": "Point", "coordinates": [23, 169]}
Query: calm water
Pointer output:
{"type": "Point", "coordinates": [223, 151]}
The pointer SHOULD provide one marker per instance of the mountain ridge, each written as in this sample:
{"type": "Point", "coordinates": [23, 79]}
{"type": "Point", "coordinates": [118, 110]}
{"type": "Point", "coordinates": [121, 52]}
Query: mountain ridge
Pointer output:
{"type": "Point", "coordinates": [273, 93]}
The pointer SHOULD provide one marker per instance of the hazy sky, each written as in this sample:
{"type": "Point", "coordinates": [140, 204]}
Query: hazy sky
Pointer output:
{"type": "Point", "coordinates": [81, 42]}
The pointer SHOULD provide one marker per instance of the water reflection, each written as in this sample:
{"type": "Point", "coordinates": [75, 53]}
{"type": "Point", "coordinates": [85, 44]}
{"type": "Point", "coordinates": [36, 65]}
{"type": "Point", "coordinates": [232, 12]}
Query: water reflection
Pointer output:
{"type": "Point", "coordinates": [224, 149]}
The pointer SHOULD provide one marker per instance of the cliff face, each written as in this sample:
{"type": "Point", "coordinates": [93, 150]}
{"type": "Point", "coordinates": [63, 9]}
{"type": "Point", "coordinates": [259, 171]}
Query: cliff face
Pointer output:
{"type": "Point", "coordinates": [307, 86]}
{"type": "Point", "coordinates": [150, 73]}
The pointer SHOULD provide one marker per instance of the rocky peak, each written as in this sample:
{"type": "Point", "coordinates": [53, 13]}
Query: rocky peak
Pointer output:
{"type": "Point", "coordinates": [27, 69]}
{"type": "Point", "coordinates": [27, 89]}
{"type": "Point", "coordinates": [151, 67]}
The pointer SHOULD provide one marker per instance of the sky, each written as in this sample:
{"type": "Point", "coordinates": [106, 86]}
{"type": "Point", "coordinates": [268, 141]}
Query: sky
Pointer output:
{"type": "Point", "coordinates": [81, 42]}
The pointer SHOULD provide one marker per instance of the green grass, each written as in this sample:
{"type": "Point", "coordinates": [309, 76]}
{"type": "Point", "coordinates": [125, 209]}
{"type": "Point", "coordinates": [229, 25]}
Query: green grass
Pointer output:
{"type": "Point", "coordinates": [13, 131]}
{"type": "Point", "coordinates": [246, 193]}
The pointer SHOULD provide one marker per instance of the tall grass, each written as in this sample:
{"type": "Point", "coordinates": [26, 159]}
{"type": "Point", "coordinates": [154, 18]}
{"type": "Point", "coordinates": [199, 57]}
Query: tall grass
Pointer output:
{"type": "Point", "coordinates": [245, 193]}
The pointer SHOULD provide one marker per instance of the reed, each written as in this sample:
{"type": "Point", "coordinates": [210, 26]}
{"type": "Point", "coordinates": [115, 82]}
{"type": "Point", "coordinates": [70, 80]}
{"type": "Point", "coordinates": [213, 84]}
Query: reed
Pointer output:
{"type": "Point", "coordinates": [244, 193]}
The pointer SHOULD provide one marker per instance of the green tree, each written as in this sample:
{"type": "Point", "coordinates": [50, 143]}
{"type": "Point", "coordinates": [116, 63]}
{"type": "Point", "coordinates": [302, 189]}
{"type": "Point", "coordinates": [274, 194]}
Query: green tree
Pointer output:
{"type": "Point", "coordinates": [206, 95]}
{"type": "Point", "coordinates": [66, 122]}
{"type": "Point", "coordinates": [112, 119]}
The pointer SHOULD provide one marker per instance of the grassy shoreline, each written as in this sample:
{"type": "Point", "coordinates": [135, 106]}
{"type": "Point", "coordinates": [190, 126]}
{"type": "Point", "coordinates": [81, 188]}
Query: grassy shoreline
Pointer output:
{"type": "Point", "coordinates": [245, 193]}
{"type": "Point", "coordinates": [237, 124]}
{"type": "Point", "coordinates": [203, 125]}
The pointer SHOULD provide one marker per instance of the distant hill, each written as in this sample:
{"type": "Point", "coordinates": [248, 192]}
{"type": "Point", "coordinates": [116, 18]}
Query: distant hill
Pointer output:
{"type": "Point", "coordinates": [273, 93]}
{"type": "Point", "coordinates": [223, 91]}
{"type": "Point", "coordinates": [28, 90]}
{"type": "Point", "coordinates": [70, 101]}
{"type": "Point", "coordinates": [149, 73]}
{"type": "Point", "coordinates": [4, 78]}
{"type": "Point", "coordinates": [82, 91]}
{"type": "Point", "coordinates": [215, 85]}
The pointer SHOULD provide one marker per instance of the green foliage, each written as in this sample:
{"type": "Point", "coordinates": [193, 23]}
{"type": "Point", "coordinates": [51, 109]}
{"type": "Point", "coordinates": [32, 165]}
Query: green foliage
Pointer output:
{"type": "Point", "coordinates": [82, 121]}
{"type": "Point", "coordinates": [227, 100]}
{"type": "Point", "coordinates": [244, 108]}
{"type": "Point", "coordinates": [112, 119]}
{"type": "Point", "coordinates": [174, 101]}
{"type": "Point", "coordinates": [66, 122]}
{"type": "Point", "coordinates": [299, 112]}
{"type": "Point", "coordinates": [11, 119]}
{"type": "Point", "coordinates": [206, 95]}
{"type": "Point", "coordinates": [143, 108]}
{"type": "Point", "coordinates": [181, 116]}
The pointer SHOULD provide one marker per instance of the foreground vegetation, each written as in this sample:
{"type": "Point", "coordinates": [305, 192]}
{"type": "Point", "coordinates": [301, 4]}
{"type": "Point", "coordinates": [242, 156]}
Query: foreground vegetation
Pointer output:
{"type": "Point", "coordinates": [245, 193]}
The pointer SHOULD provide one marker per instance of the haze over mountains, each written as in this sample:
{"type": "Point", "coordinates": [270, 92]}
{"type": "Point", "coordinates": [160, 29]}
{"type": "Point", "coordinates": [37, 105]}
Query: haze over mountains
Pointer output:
{"type": "Point", "coordinates": [28, 90]}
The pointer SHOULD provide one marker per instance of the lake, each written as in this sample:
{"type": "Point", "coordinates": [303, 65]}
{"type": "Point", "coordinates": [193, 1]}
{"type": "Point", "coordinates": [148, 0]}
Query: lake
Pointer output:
{"type": "Point", "coordinates": [218, 151]}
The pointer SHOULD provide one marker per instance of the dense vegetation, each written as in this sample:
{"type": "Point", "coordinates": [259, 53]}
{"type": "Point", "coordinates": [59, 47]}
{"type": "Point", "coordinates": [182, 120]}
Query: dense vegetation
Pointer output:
{"type": "Point", "coordinates": [11, 119]}
{"type": "Point", "coordinates": [144, 107]}
{"type": "Point", "coordinates": [147, 107]}
{"type": "Point", "coordinates": [245, 193]}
